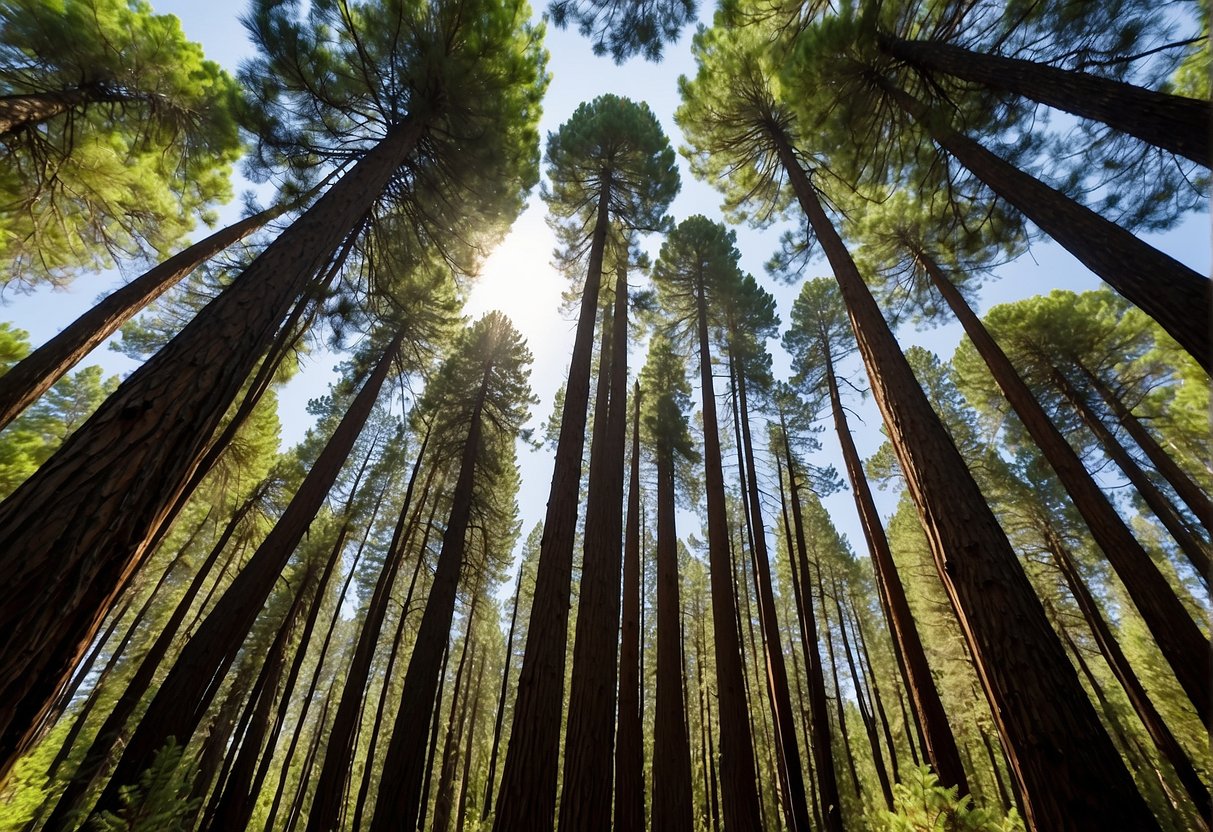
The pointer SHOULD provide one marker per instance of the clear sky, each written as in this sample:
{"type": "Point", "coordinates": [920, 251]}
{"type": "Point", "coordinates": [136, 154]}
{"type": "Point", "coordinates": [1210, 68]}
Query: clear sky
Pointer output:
{"type": "Point", "coordinates": [519, 280]}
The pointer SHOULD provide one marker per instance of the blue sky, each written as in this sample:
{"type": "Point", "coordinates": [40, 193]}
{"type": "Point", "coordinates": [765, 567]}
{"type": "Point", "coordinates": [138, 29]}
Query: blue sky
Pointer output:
{"type": "Point", "coordinates": [519, 280]}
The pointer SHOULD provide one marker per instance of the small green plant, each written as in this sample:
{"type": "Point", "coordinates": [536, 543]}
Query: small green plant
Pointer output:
{"type": "Point", "coordinates": [921, 804]}
{"type": "Point", "coordinates": [159, 802]}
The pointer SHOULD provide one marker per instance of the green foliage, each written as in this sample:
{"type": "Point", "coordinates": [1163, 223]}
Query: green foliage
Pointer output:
{"type": "Point", "coordinates": [697, 267]}
{"type": "Point", "coordinates": [624, 28]}
{"type": "Point", "coordinates": [159, 802]}
{"type": "Point", "coordinates": [665, 402]}
{"type": "Point", "coordinates": [921, 804]}
{"type": "Point", "coordinates": [145, 147]}
{"type": "Point", "coordinates": [608, 142]}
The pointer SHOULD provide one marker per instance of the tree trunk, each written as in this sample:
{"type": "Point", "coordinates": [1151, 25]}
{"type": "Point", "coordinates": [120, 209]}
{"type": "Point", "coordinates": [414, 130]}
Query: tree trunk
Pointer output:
{"type": "Point", "coordinates": [709, 739]}
{"type": "Point", "coordinates": [1143, 705]}
{"type": "Point", "coordinates": [398, 802]}
{"type": "Point", "coordinates": [1174, 123]}
{"type": "Point", "coordinates": [1063, 760]}
{"type": "Point", "coordinates": [337, 766]}
{"type": "Point", "coordinates": [940, 747]}
{"type": "Point", "coordinates": [527, 798]}
{"type": "Point", "coordinates": [450, 747]}
{"type": "Point", "coordinates": [1187, 489]}
{"type": "Point", "coordinates": [187, 691]}
{"type": "Point", "coordinates": [874, 690]}
{"type": "Point", "coordinates": [435, 721]}
{"type": "Point", "coordinates": [672, 800]}
{"type": "Point", "coordinates": [20, 112]}
{"type": "Point", "coordinates": [847, 748]}
{"type": "Point", "coordinates": [629, 737]}
{"type": "Point", "coordinates": [1186, 650]}
{"type": "Point", "coordinates": [461, 812]}
{"type": "Point", "coordinates": [1193, 548]}
{"type": "Point", "coordinates": [75, 530]}
{"type": "Point", "coordinates": [739, 798]}
{"type": "Point", "coordinates": [589, 738]}
{"type": "Point", "coordinates": [777, 673]}
{"type": "Point", "coordinates": [823, 755]}
{"type": "Point", "coordinates": [110, 734]}
{"type": "Point", "coordinates": [33, 375]}
{"type": "Point", "coordinates": [1172, 294]}
{"type": "Point", "coordinates": [491, 779]}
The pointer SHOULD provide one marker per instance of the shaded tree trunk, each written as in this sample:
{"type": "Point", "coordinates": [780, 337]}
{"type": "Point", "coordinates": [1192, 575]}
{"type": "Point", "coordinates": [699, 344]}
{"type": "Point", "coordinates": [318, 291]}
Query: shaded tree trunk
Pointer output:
{"type": "Point", "coordinates": [443, 799]}
{"type": "Point", "coordinates": [187, 691]}
{"type": "Point", "coordinates": [1075, 780]}
{"type": "Point", "coordinates": [739, 798]}
{"type": "Point", "coordinates": [589, 737]}
{"type": "Point", "coordinates": [398, 802]}
{"type": "Point", "coordinates": [527, 798]}
{"type": "Point", "coordinates": [1174, 123]}
{"type": "Point", "coordinates": [461, 812]}
{"type": "Point", "coordinates": [489, 791]}
{"type": "Point", "coordinates": [629, 737]}
{"type": "Point", "coordinates": [1186, 650]}
{"type": "Point", "coordinates": [874, 690]}
{"type": "Point", "coordinates": [672, 798]}
{"type": "Point", "coordinates": [22, 111]}
{"type": "Point", "coordinates": [1168, 291]}
{"type": "Point", "coordinates": [823, 755]}
{"type": "Point", "coordinates": [940, 743]}
{"type": "Point", "coordinates": [75, 531]}
{"type": "Point", "coordinates": [435, 722]}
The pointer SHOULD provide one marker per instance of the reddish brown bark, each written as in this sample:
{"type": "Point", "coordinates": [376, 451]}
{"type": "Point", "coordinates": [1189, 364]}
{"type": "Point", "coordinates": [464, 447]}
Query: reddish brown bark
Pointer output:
{"type": "Point", "coordinates": [739, 797]}
{"type": "Point", "coordinates": [1063, 760]}
{"type": "Point", "coordinates": [589, 738]}
{"type": "Point", "coordinates": [400, 787]}
{"type": "Point", "coordinates": [1172, 122]}
{"type": "Point", "coordinates": [18, 112]}
{"type": "Point", "coordinates": [184, 696]}
{"type": "Point", "coordinates": [491, 778]}
{"type": "Point", "coordinates": [75, 531]}
{"type": "Point", "coordinates": [1174, 295]}
{"type": "Point", "coordinates": [629, 739]}
{"type": "Point", "coordinates": [527, 797]}
{"type": "Point", "coordinates": [1181, 642]}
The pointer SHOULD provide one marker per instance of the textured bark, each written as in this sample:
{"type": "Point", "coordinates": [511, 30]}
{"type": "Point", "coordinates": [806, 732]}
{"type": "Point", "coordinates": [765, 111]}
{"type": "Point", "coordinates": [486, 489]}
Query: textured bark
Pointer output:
{"type": "Point", "coordinates": [527, 797]}
{"type": "Point", "coordinates": [33, 375]}
{"type": "Point", "coordinates": [77, 529]}
{"type": "Point", "coordinates": [187, 691]}
{"type": "Point", "coordinates": [400, 787]}
{"type": "Point", "coordinates": [738, 796]}
{"type": "Point", "coordinates": [1174, 123]}
{"type": "Point", "coordinates": [940, 743]}
{"type": "Point", "coordinates": [1187, 489]}
{"type": "Point", "coordinates": [434, 723]}
{"type": "Point", "coordinates": [1193, 548]}
{"type": "Point", "coordinates": [1181, 642]}
{"type": "Point", "coordinates": [672, 799]}
{"type": "Point", "coordinates": [18, 112]}
{"type": "Point", "coordinates": [1065, 764]}
{"type": "Point", "coordinates": [1174, 295]}
{"type": "Point", "coordinates": [337, 766]}
{"type": "Point", "coordinates": [590, 735]}
{"type": "Point", "coordinates": [823, 754]}
{"type": "Point", "coordinates": [491, 778]}
{"type": "Point", "coordinates": [629, 737]}
{"type": "Point", "coordinates": [1143, 705]}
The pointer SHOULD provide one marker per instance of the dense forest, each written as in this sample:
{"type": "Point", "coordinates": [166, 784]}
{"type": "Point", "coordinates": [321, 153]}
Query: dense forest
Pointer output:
{"type": "Point", "coordinates": [794, 570]}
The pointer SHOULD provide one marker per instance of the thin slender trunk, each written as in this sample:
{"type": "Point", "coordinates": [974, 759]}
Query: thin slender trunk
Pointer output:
{"type": "Point", "coordinates": [1180, 640]}
{"type": "Point", "coordinates": [33, 375]}
{"type": "Point", "coordinates": [434, 722]}
{"type": "Point", "coordinates": [187, 691]}
{"type": "Point", "coordinates": [739, 798]}
{"type": "Point", "coordinates": [527, 799]}
{"type": "Point", "coordinates": [305, 771]}
{"type": "Point", "coordinates": [1172, 122]}
{"type": "Point", "coordinates": [473, 703]}
{"type": "Point", "coordinates": [336, 768]}
{"type": "Point", "coordinates": [874, 690]}
{"type": "Point", "coordinates": [1187, 489]}
{"type": "Point", "coordinates": [450, 746]}
{"type": "Point", "coordinates": [672, 799]}
{"type": "Point", "coordinates": [823, 755]}
{"type": "Point", "coordinates": [400, 788]}
{"type": "Point", "coordinates": [1076, 780]}
{"type": "Point", "coordinates": [589, 737]}
{"type": "Point", "coordinates": [940, 742]}
{"type": "Point", "coordinates": [777, 674]}
{"type": "Point", "coordinates": [501, 697]}
{"type": "Point", "coordinates": [629, 737]}
{"type": "Point", "coordinates": [1143, 705]}
{"type": "Point", "coordinates": [76, 530]}
{"type": "Point", "coordinates": [1193, 548]}
{"type": "Point", "coordinates": [1168, 291]}
{"type": "Point", "coordinates": [847, 748]}
{"type": "Point", "coordinates": [759, 735]}
{"type": "Point", "coordinates": [1003, 797]}
{"type": "Point", "coordinates": [714, 793]}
